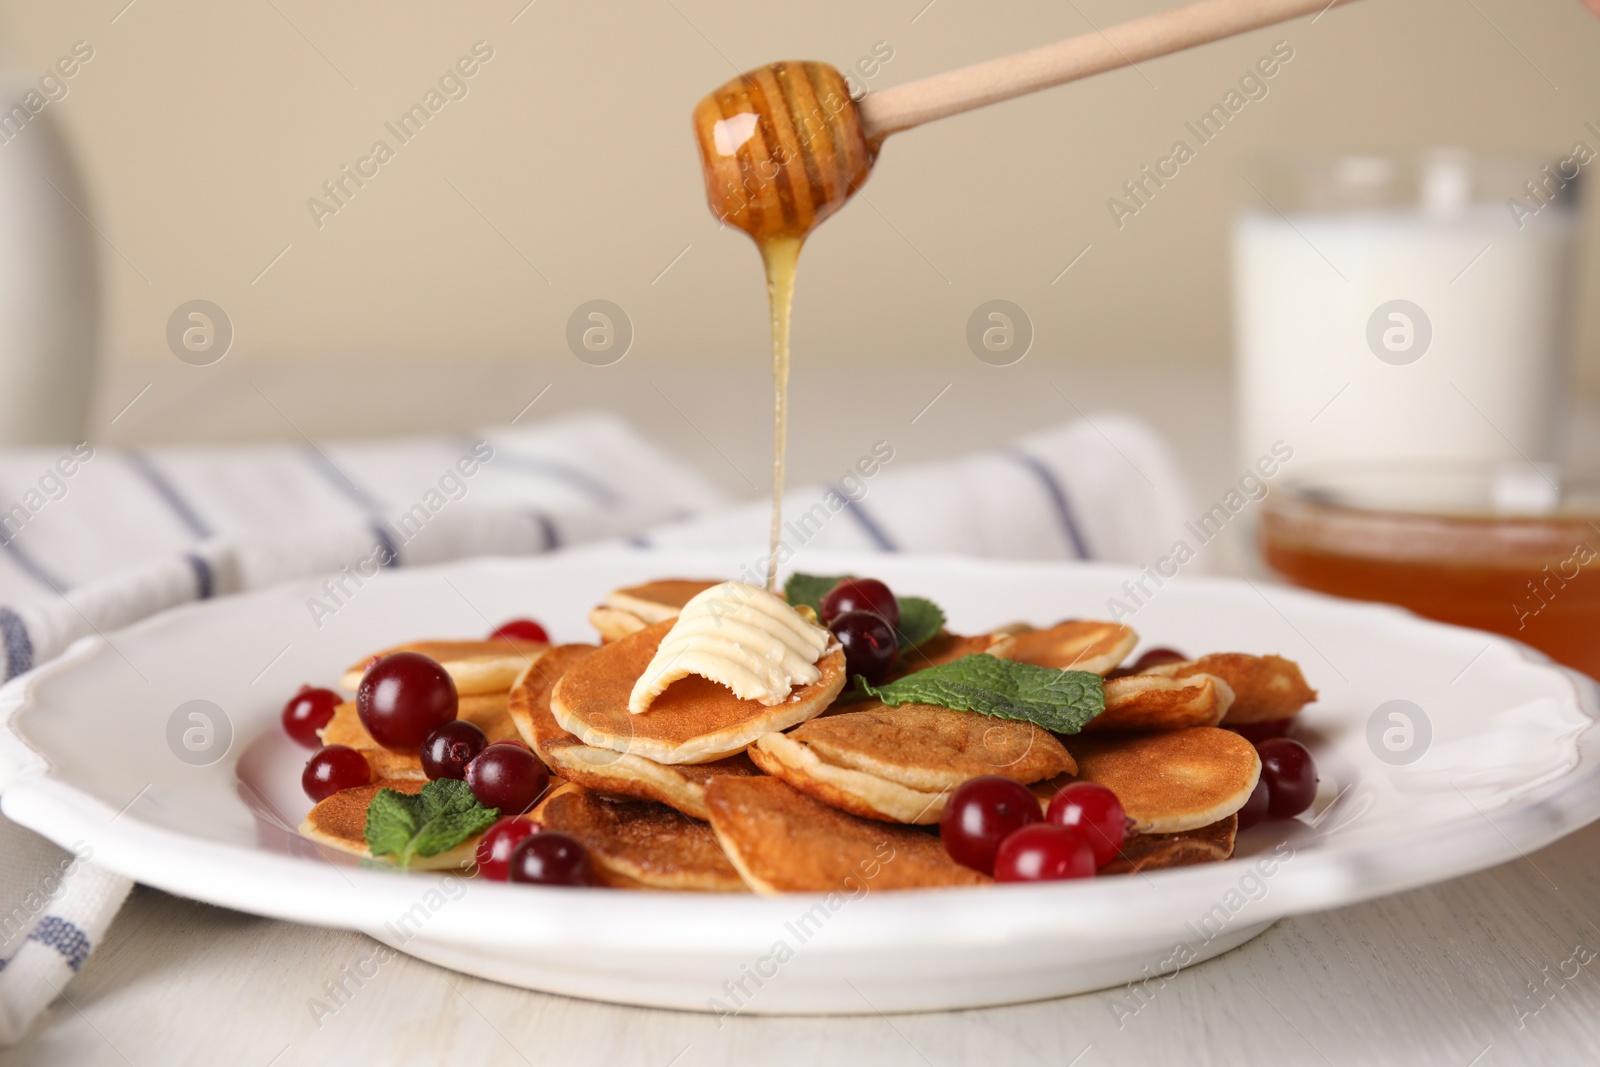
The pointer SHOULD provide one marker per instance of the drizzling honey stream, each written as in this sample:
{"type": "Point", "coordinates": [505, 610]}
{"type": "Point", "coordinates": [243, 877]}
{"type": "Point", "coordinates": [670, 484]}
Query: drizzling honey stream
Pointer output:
{"type": "Point", "coordinates": [782, 148]}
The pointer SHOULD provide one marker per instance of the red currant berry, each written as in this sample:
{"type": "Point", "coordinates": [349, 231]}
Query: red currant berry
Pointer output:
{"type": "Point", "coordinates": [448, 750]}
{"type": "Point", "coordinates": [403, 698]}
{"type": "Point", "coordinates": [1255, 809]}
{"type": "Point", "coordinates": [308, 711]}
{"type": "Point", "coordinates": [870, 647]}
{"type": "Point", "coordinates": [1095, 813]}
{"type": "Point", "coordinates": [980, 814]}
{"type": "Point", "coordinates": [1257, 732]}
{"type": "Point", "coordinates": [549, 858]}
{"type": "Point", "coordinates": [494, 847]}
{"type": "Point", "coordinates": [860, 594]}
{"type": "Point", "coordinates": [508, 778]}
{"type": "Point", "coordinates": [333, 769]}
{"type": "Point", "coordinates": [1290, 774]}
{"type": "Point", "coordinates": [1156, 657]}
{"type": "Point", "coordinates": [1043, 853]}
{"type": "Point", "coordinates": [521, 630]}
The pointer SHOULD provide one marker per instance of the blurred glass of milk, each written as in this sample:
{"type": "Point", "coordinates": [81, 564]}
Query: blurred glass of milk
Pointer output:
{"type": "Point", "coordinates": [48, 286]}
{"type": "Point", "coordinates": [1415, 309]}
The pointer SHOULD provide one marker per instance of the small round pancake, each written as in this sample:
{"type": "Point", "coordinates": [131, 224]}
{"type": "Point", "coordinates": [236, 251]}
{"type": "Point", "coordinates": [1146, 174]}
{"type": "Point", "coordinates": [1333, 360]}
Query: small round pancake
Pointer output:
{"type": "Point", "coordinates": [639, 844]}
{"type": "Point", "coordinates": [1173, 781]}
{"type": "Point", "coordinates": [1148, 702]}
{"type": "Point", "coordinates": [340, 822]}
{"type": "Point", "coordinates": [945, 647]}
{"type": "Point", "coordinates": [693, 721]}
{"type": "Point", "coordinates": [1152, 852]}
{"type": "Point", "coordinates": [681, 786]}
{"type": "Point", "coordinates": [475, 666]}
{"type": "Point", "coordinates": [1077, 645]}
{"type": "Point", "coordinates": [782, 841]}
{"type": "Point", "coordinates": [925, 747]}
{"type": "Point", "coordinates": [854, 791]}
{"type": "Point", "coordinates": [486, 711]}
{"type": "Point", "coordinates": [629, 610]}
{"type": "Point", "coordinates": [1264, 687]}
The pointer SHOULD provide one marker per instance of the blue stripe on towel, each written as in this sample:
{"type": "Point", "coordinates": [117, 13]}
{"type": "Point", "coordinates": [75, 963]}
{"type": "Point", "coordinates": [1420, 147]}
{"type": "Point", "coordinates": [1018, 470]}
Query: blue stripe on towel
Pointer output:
{"type": "Point", "coordinates": [547, 526]}
{"type": "Point", "coordinates": [204, 581]}
{"type": "Point", "coordinates": [18, 645]}
{"type": "Point", "coordinates": [71, 942]}
{"type": "Point", "coordinates": [164, 488]}
{"type": "Point", "coordinates": [342, 482]}
{"type": "Point", "coordinates": [390, 556]}
{"type": "Point", "coordinates": [1058, 500]}
{"type": "Point", "coordinates": [871, 526]}
{"type": "Point", "coordinates": [566, 473]}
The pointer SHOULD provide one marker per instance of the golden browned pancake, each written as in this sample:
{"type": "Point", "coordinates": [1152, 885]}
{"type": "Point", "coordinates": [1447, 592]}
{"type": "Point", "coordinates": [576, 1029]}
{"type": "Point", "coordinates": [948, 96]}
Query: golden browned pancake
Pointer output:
{"type": "Point", "coordinates": [1152, 852]}
{"type": "Point", "coordinates": [475, 666]}
{"type": "Point", "coordinates": [486, 711]}
{"type": "Point", "coordinates": [1077, 645]}
{"type": "Point", "coordinates": [681, 786]}
{"type": "Point", "coordinates": [900, 764]}
{"type": "Point", "coordinates": [945, 647]}
{"type": "Point", "coordinates": [1264, 687]}
{"type": "Point", "coordinates": [1152, 702]}
{"type": "Point", "coordinates": [630, 610]}
{"type": "Point", "coordinates": [693, 721]}
{"type": "Point", "coordinates": [1172, 781]}
{"type": "Point", "coordinates": [637, 844]}
{"type": "Point", "coordinates": [340, 822]}
{"type": "Point", "coordinates": [782, 841]}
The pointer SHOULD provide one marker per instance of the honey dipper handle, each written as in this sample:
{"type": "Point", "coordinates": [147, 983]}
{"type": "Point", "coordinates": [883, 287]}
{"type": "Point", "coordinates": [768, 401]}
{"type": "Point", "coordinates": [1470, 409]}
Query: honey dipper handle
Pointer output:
{"type": "Point", "coordinates": [904, 106]}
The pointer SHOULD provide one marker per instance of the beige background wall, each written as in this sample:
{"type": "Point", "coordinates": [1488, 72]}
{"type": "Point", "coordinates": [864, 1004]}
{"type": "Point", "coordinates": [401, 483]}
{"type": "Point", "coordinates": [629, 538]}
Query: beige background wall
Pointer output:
{"type": "Point", "coordinates": [568, 172]}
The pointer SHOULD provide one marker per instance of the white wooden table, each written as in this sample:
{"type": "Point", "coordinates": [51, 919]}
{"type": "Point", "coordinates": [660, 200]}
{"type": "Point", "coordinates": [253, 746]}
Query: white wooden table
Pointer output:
{"type": "Point", "coordinates": [1437, 976]}
{"type": "Point", "coordinates": [1467, 972]}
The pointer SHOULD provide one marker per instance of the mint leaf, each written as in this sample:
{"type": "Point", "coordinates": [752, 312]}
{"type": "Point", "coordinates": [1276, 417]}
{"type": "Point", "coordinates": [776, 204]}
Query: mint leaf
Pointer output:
{"type": "Point", "coordinates": [919, 619]}
{"type": "Point", "coordinates": [440, 817]}
{"type": "Point", "coordinates": [391, 821]}
{"type": "Point", "coordinates": [1059, 701]}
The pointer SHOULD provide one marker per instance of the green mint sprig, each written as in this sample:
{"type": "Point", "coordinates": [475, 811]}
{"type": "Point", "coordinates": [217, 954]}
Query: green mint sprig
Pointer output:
{"type": "Point", "coordinates": [1059, 701]}
{"type": "Point", "coordinates": [435, 820]}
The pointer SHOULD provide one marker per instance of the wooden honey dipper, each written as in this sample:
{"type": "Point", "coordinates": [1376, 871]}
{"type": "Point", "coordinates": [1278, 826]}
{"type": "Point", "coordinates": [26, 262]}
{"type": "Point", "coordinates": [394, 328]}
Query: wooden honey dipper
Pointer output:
{"type": "Point", "coordinates": [785, 146]}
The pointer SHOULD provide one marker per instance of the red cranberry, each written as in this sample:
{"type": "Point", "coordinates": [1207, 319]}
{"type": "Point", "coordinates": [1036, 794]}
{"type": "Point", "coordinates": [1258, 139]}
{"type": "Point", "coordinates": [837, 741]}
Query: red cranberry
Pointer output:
{"type": "Point", "coordinates": [1042, 852]}
{"type": "Point", "coordinates": [508, 778]}
{"type": "Point", "coordinates": [403, 698]}
{"type": "Point", "coordinates": [334, 769]}
{"type": "Point", "coordinates": [1095, 813]}
{"type": "Point", "coordinates": [1257, 732]}
{"type": "Point", "coordinates": [549, 858]}
{"type": "Point", "coordinates": [521, 630]}
{"type": "Point", "coordinates": [1290, 774]}
{"type": "Point", "coordinates": [1157, 657]}
{"type": "Point", "coordinates": [308, 711]}
{"type": "Point", "coordinates": [494, 847]}
{"type": "Point", "coordinates": [448, 750]}
{"type": "Point", "coordinates": [980, 814]}
{"type": "Point", "coordinates": [870, 647]}
{"type": "Point", "coordinates": [860, 594]}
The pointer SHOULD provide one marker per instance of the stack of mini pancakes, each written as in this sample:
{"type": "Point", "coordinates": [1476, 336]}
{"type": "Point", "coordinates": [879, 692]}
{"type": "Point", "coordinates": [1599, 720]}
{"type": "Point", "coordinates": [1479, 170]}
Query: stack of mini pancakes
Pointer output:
{"type": "Point", "coordinates": [826, 792]}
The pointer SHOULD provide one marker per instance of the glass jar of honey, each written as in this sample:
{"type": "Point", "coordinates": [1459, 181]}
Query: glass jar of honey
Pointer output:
{"type": "Point", "coordinates": [1511, 548]}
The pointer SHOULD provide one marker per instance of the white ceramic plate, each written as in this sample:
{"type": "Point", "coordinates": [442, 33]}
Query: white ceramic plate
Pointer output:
{"type": "Point", "coordinates": [1511, 765]}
